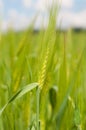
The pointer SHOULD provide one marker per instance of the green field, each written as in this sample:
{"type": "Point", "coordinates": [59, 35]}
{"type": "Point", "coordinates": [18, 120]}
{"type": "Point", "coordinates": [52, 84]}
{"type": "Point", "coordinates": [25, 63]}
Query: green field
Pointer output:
{"type": "Point", "coordinates": [43, 79]}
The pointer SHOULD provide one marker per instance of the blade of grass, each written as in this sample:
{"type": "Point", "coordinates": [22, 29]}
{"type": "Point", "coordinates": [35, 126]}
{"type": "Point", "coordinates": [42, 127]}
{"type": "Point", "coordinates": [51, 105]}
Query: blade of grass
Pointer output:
{"type": "Point", "coordinates": [37, 103]}
{"type": "Point", "coordinates": [19, 94]}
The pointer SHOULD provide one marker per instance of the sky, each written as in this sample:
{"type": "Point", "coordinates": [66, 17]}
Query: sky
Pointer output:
{"type": "Point", "coordinates": [20, 13]}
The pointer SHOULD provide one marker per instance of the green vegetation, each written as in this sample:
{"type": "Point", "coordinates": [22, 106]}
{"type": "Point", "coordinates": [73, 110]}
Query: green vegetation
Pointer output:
{"type": "Point", "coordinates": [42, 79]}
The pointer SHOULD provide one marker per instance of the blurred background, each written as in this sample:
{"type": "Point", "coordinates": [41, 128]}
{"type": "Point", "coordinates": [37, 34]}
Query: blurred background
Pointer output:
{"type": "Point", "coordinates": [19, 13]}
{"type": "Point", "coordinates": [54, 59]}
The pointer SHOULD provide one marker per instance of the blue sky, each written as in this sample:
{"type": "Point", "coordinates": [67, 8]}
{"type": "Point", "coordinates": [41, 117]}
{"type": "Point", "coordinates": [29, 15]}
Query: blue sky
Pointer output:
{"type": "Point", "coordinates": [20, 12]}
{"type": "Point", "coordinates": [79, 5]}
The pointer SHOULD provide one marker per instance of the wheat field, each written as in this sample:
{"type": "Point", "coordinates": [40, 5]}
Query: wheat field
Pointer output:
{"type": "Point", "coordinates": [43, 79]}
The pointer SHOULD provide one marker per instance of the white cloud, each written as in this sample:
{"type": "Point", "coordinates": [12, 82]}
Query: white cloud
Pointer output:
{"type": "Point", "coordinates": [67, 19]}
{"type": "Point", "coordinates": [79, 19]}
{"type": "Point", "coordinates": [27, 3]}
{"type": "Point", "coordinates": [67, 3]}
{"type": "Point", "coordinates": [71, 19]}
{"type": "Point", "coordinates": [16, 20]}
{"type": "Point", "coordinates": [12, 14]}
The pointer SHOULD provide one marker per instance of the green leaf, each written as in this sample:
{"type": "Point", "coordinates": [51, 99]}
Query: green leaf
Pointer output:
{"type": "Point", "coordinates": [19, 94]}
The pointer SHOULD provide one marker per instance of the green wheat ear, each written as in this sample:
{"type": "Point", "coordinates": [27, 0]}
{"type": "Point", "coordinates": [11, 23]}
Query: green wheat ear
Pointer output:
{"type": "Point", "coordinates": [42, 75]}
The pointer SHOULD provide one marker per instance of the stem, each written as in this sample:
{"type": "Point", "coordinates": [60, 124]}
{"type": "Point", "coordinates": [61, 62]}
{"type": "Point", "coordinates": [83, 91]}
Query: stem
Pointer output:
{"type": "Point", "coordinates": [37, 101]}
